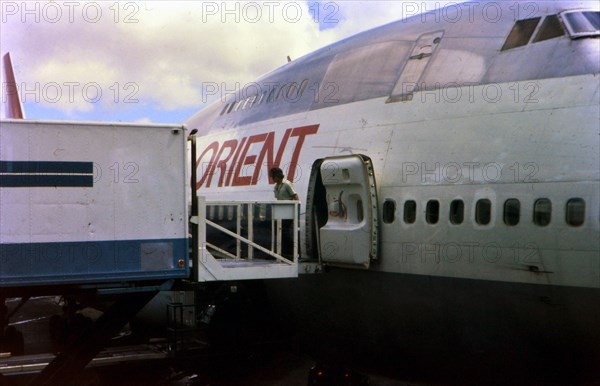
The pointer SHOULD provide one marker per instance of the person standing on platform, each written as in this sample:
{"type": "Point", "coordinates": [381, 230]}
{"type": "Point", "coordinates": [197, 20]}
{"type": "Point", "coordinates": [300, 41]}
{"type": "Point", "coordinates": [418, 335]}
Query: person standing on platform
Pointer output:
{"type": "Point", "coordinates": [284, 190]}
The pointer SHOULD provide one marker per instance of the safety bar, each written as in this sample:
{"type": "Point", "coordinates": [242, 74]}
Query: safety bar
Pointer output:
{"type": "Point", "coordinates": [217, 259]}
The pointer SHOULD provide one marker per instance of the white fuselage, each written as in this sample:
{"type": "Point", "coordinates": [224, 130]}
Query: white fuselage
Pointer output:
{"type": "Point", "coordinates": [468, 148]}
{"type": "Point", "coordinates": [480, 197]}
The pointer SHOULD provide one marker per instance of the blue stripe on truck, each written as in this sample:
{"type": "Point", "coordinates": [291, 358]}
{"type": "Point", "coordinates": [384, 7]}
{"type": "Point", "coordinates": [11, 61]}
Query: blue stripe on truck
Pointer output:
{"type": "Point", "coordinates": [45, 180]}
{"type": "Point", "coordinates": [92, 261]}
{"type": "Point", "coordinates": [22, 174]}
{"type": "Point", "coordinates": [56, 167]}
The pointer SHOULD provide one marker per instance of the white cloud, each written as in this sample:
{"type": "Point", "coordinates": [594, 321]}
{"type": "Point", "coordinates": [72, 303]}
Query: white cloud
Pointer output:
{"type": "Point", "coordinates": [161, 53]}
{"type": "Point", "coordinates": [144, 120]}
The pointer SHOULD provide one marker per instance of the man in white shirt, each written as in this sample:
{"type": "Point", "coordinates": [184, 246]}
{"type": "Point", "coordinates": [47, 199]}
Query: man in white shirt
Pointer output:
{"type": "Point", "coordinates": [284, 190]}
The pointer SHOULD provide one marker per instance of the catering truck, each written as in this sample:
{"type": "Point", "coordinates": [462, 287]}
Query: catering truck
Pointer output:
{"type": "Point", "coordinates": [91, 203]}
{"type": "Point", "coordinates": [95, 213]}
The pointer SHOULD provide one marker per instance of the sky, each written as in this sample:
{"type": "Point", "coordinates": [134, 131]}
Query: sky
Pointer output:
{"type": "Point", "coordinates": [160, 62]}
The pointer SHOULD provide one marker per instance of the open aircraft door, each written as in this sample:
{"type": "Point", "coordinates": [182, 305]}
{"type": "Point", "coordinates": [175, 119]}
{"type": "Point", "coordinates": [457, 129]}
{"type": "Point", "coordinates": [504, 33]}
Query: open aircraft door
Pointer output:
{"type": "Point", "coordinates": [350, 236]}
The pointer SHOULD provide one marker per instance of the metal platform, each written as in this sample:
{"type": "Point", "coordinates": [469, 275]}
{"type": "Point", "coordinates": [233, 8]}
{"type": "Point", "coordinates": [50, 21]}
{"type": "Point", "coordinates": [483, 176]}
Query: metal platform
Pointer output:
{"type": "Point", "coordinates": [246, 259]}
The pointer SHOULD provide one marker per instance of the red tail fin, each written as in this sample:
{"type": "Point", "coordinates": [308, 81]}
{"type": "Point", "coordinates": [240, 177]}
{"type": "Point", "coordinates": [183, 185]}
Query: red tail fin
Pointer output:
{"type": "Point", "coordinates": [13, 106]}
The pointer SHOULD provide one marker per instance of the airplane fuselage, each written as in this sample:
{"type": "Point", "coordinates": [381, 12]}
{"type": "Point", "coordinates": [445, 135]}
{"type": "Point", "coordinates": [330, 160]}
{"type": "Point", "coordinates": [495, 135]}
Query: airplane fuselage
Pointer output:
{"type": "Point", "coordinates": [454, 163]}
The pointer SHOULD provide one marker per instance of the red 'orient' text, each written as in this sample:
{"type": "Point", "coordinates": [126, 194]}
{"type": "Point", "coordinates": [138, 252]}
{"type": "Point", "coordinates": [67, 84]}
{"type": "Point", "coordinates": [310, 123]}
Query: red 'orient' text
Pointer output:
{"type": "Point", "coordinates": [233, 158]}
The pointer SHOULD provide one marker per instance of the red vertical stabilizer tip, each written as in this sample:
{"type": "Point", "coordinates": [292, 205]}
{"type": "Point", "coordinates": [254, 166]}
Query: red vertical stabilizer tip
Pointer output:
{"type": "Point", "coordinates": [13, 106]}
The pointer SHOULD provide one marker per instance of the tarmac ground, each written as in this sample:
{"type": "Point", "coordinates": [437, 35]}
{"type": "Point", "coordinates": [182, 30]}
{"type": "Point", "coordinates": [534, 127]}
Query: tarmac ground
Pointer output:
{"type": "Point", "coordinates": [277, 362]}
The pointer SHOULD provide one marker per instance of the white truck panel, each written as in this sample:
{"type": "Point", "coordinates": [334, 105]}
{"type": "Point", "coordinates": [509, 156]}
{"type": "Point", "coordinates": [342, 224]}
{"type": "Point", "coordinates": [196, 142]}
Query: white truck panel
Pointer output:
{"type": "Point", "coordinates": [91, 201]}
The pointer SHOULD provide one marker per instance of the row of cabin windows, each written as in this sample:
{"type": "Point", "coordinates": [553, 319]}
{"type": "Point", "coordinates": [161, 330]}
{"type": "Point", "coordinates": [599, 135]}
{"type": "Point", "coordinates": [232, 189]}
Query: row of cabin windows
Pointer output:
{"type": "Point", "coordinates": [542, 212]}
{"type": "Point", "coordinates": [289, 91]}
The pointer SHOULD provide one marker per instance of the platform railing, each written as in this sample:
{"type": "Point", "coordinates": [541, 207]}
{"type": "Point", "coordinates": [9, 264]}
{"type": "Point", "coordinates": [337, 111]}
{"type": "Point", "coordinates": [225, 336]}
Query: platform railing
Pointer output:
{"type": "Point", "coordinates": [220, 222]}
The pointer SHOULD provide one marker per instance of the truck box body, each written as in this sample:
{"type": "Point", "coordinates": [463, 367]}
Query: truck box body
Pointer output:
{"type": "Point", "coordinates": [91, 202]}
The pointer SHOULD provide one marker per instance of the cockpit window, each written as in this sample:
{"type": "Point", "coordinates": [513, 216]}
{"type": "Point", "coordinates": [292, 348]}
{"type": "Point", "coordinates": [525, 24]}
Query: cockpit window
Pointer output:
{"type": "Point", "coordinates": [550, 29]}
{"type": "Point", "coordinates": [582, 23]}
{"type": "Point", "coordinates": [521, 33]}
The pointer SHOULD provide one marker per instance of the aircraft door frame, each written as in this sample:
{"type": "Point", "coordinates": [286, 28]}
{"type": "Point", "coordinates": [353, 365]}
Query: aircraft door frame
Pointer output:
{"type": "Point", "coordinates": [316, 211]}
{"type": "Point", "coordinates": [344, 232]}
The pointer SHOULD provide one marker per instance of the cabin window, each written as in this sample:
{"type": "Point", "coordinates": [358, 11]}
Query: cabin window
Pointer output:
{"type": "Point", "coordinates": [582, 23]}
{"type": "Point", "coordinates": [389, 211]}
{"type": "Point", "coordinates": [245, 103]}
{"type": "Point", "coordinates": [261, 98]}
{"type": "Point", "coordinates": [250, 101]}
{"type": "Point", "coordinates": [521, 33]}
{"type": "Point", "coordinates": [483, 212]}
{"type": "Point", "coordinates": [224, 109]}
{"type": "Point", "coordinates": [542, 212]}
{"type": "Point", "coordinates": [512, 211]}
{"type": "Point", "coordinates": [550, 29]}
{"type": "Point", "coordinates": [231, 106]}
{"type": "Point", "coordinates": [457, 211]}
{"type": "Point", "coordinates": [238, 105]}
{"type": "Point", "coordinates": [432, 213]}
{"type": "Point", "coordinates": [575, 212]}
{"type": "Point", "coordinates": [410, 212]}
